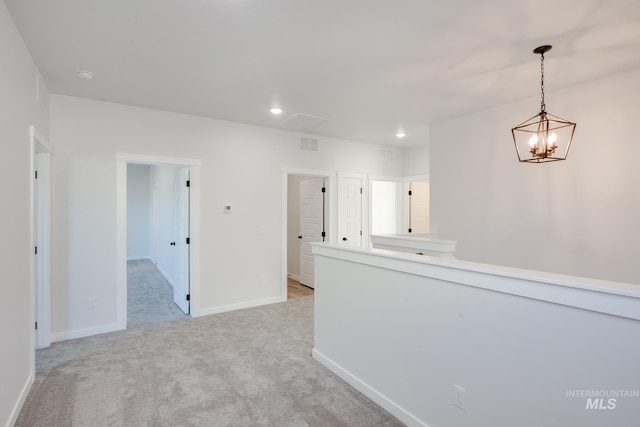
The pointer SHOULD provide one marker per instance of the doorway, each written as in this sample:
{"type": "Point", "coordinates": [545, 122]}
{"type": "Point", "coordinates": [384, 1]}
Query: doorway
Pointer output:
{"type": "Point", "coordinates": [41, 226]}
{"type": "Point", "coordinates": [307, 218]}
{"type": "Point", "coordinates": [418, 206]}
{"type": "Point", "coordinates": [175, 222]}
{"type": "Point", "coordinates": [386, 205]}
{"type": "Point", "coordinates": [352, 203]}
{"type": "Point", "coordinates": [157, 252]}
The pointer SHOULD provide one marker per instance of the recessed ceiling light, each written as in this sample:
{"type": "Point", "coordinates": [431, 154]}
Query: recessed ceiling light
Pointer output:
{"type": "Point", "coordinates": [276, 110]}
{"type": "Point", "coordinates": [400, 134]}
{"type": "Point", "coordinates": [85, 75]}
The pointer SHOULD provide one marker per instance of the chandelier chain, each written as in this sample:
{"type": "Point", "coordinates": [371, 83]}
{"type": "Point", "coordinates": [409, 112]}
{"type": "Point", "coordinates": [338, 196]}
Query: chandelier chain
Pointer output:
{"type": "Point", "coordinates": [542, 104]}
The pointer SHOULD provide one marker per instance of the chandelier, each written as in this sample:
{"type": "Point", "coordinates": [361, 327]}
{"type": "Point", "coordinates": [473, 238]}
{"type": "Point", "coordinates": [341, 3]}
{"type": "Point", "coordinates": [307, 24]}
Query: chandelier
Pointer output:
{"type": "Point", "coordinates": [544, 137]}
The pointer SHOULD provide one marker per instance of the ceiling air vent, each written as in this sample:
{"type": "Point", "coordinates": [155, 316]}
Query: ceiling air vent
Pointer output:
{"type": "Point", "coordinates": [304, 122]}
{"type": "Point", "coordinates": [308, 144]}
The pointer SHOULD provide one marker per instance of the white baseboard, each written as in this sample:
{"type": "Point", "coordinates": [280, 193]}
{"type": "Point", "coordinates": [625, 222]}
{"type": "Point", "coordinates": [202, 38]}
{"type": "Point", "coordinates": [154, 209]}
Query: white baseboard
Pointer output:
{"type": "Point", "coordinates": [23, 397]}
{"type": "Point", "coordinates": [239, 306]}
{"type": "Point", "coordinates": [138, 258]}
{"type": "Point", "coordinates": [165, 275]}
{"type": "Point", "coordinates": [294, 277]}
{"type": "Point", "coordinates": [391, 407]}
{"type": "Point", "coordinates": [80, 333]}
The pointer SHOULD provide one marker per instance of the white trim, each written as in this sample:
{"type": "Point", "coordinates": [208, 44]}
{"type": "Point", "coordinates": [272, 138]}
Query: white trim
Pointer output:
{"type": "Point", "coordinates": [293, 276]}
{"type": "Point", "coordinates": [20, 403]}
{"type": "Point", "coordinates": [238, 306]}
{"type": "Point", "coordinates": [122, 159]}
{"type": "Point", "coordinates": [139, 258]}
{"type": "Point", "coordinates": [121, 244]}
{"type": "Point", "coordinates": [331, 221]}
{"type": "Point", "coordinates": [45, 146]}
{"type": "Point", "coordinates": [405, 201]}
{"type": "Point", "coordinates": [165, 275]}
{"type": "Point", "coordinates": [424, 177]}
{"type": "Point", "coordinates": [41, 237]}
{"type": "Point", "coordinates": [144, 159]}
{"type": "Point", "coordinates": [368, 391]}
{"type": "Point", "coordinates": [86, 332]}
{"type": "Point", "coordinates": [385, 178]}
{"type": "Point", "coordinates": [616, 299]}
{"type": "Point", "coordinates": [364, 208]}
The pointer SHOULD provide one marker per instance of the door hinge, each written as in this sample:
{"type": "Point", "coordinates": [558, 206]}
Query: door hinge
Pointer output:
{"type": "Point", "coordinates": [360, 190]}
{"type": "Point", "coordinates": [188, 240]}
{"type": "Point", "coordinates": [36, 251]}
{"type": "Point", "coordinates": [361, 232]}
{"type": "Point", "coordinates": [36, 326]}
{"type": "Point", "coordinates": [324, 190]}
{"type": "Point", "coordinates": [324, 234]}
{"type": "Point", "coordinates": [36, 174]}
{"type": "Point", "coordinates": [188, 183]}
{"type": "Point", "coordinates": [409, 192]}
{"type": "Point", "coordinates": [188, 297]}
{"type": "Point", "coordinates": [409, 230]}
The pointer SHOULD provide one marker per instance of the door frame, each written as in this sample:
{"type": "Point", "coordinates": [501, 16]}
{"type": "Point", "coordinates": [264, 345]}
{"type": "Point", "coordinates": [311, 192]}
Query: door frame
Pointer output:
{"type": "Point", "coordinates": [400, 183]}
{"type": "Point", "coordinates": [41, 152]}
{"type": "Point", "coordinates": [364, 206]}
{"type": "Point", "coordinates": [301, 242]}
{"type": "Point", "coordinates": [330, 177]}
{"type": "Point", "coordinates": [122, 159]}
{"type": "Point", "coordinates": [405, 199]}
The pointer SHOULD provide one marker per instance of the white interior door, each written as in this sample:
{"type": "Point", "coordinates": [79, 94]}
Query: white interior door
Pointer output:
{"type": "Point", "coordinates": [419, 207]}
{"type": "Point", "coordinates": [181, 232]}
{"type": "Point", "coordinates": [42, 225]}
{"type": "Point", "coordinates": [350, 211]}
{"type": "Point", "coordinates": [311, 225]}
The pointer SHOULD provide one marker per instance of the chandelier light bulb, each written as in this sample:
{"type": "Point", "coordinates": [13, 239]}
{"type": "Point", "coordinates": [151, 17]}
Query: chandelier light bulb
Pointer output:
{"type": "Point", "coordinates": [543, 137]}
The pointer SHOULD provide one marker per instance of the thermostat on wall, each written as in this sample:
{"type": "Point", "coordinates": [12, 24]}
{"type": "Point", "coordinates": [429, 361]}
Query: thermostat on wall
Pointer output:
{"type": "Point", "coordinates": [227, 208]}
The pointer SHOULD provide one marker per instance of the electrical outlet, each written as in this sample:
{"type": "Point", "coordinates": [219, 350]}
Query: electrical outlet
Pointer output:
{"type": "Point", "coordinates": [458, 396]}
{"type": "Point", "coordinates": [92, 303]}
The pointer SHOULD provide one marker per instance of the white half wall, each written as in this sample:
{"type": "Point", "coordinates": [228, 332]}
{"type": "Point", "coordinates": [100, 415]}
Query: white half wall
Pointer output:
{"type": "Point", "coordinates": [526, 347]}
{"type": "Point", "coordinates": [577, 217]}
{"type": "Point", "coordinates": [139, 212]}
{"type": "Point", "coordinates": [241, 165]}
{"type": "Point", "coordinates": [24, 102]}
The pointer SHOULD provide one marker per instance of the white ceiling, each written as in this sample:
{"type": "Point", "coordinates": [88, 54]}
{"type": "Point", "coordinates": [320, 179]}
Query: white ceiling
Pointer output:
{"type": "Point", "coordinates": [369, 67]}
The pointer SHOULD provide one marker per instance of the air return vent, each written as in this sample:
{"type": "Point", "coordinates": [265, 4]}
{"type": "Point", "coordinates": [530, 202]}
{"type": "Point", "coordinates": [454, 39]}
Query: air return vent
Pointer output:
{"type": "Point", "coordinates": [304, 122]}
{"type": "Point", "coordinates": [308, 144]}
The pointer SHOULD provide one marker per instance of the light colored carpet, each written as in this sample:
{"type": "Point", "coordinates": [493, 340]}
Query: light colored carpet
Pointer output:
{"type": "Point", "coordinates": [250, 367]}
{"type": "Point", "coordinates": [149, 295]}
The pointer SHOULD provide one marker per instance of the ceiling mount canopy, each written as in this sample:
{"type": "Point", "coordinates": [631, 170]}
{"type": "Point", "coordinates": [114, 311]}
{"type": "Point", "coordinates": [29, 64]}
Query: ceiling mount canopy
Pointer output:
{"type": "Point", "coordinates": [544, 137]}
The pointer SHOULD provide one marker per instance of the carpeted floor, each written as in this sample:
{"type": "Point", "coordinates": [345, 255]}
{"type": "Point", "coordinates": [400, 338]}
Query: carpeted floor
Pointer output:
{"type": "Point", "coordinates": [249, 367]}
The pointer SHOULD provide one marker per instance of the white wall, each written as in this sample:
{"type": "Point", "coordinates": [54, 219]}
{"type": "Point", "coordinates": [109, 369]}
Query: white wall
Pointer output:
{"type": "Point", "coordinates": [416, 161]}
{"type": "Point", "coordinates": [578, 217]}
{"type": "Point", "coordinates": [139, 209]}
{"type": "Point", "coordinates": [19, 108]}
{"type": "Point", "coordinates": [241, 165]}
{"type": "Point", "coordinates": [405, 329]}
